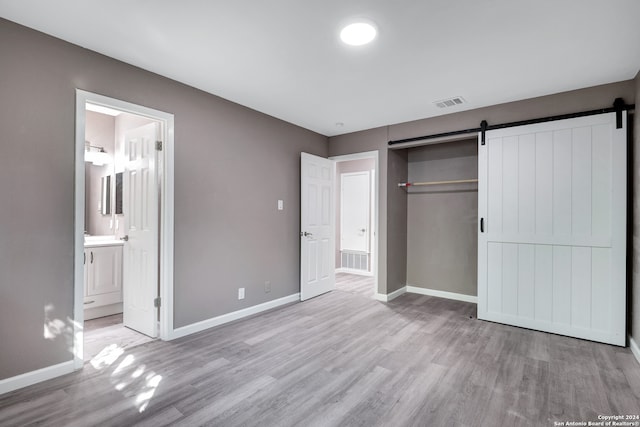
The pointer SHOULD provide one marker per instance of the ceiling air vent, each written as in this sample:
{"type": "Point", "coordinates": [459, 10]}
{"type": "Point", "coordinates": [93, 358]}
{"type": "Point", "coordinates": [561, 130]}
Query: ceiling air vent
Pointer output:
{"type": "Point", "coordinates": [451, 102]}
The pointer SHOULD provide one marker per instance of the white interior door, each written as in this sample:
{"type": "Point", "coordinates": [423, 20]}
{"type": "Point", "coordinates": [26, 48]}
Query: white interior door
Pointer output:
{"type": "Point", "coordinates": [140, 206]}
{"type": "Point", "coordinates": [552, 241]}
{"type": "Point", "coordinates": [317, 228]}
{"type": "Point", "coordinates": [354, 211]}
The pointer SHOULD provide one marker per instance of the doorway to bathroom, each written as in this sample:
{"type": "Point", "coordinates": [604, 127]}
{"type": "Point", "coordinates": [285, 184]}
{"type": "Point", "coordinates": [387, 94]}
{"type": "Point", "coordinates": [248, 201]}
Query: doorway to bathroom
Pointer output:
{"type": "Point", "coordinates": [124, 206]}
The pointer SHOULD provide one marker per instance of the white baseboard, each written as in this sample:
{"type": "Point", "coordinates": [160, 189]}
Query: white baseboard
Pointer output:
{"type": "Point", "coordinates": [633, 345]}
{"type": "Point", "coordinates": [393, 295]}
{"type": "Point", "coordinates": [39, 375]}
{"type": "Point", "coordinates": [425, 291]}
{"type": "Point", "coordinates": [442, 294]}
{"type": "Point", "coordinates": [230, 317]}
{"type": "Point", "coordinates": [356, 272]}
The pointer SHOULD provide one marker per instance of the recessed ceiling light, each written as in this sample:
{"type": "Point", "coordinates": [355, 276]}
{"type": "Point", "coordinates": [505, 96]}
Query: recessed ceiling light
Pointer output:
{"type": "Point", "coordinates": [358, 33]}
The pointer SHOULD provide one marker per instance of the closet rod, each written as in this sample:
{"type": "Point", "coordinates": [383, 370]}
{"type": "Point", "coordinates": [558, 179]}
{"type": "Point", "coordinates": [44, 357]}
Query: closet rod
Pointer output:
{"type": "Point", "coordinates": [618, 107]}
{"type": "Point", "coordinates": [415, 184]}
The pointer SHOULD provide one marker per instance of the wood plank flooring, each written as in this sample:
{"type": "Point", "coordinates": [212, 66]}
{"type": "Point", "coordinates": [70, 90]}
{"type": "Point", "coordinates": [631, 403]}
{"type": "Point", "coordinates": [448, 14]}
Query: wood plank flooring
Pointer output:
{"type": "Point", "coordinates": [105, 331]}
{"type": "Point", "coordinates": [343, 359]}
{"type": "Point", "coordinates": [355, 284]}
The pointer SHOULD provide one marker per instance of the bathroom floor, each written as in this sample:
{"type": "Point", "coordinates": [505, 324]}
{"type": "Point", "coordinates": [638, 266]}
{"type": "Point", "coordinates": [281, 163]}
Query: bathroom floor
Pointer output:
{"type": "Point", "coordinates": [105, 332]}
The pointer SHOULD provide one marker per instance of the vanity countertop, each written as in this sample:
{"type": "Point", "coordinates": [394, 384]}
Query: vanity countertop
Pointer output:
{"type": "Point", "coordinates": [98, 241]}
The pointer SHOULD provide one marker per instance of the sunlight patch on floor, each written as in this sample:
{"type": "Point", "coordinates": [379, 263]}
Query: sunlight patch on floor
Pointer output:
{"type": "Point", "coordinates": [144, 397]}
{"type": "Point", "coordinates": [107, 356]}
{"type": "Point", "coordinates": [138, 371]}
{"type": "Point", "coordinates": [127, 361]}
{"type": "Point", "coordinates": [127, 377]}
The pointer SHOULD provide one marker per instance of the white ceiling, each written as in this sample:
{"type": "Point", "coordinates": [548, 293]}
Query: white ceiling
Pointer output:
{"type": "Point", "coordinates": [284, 57]}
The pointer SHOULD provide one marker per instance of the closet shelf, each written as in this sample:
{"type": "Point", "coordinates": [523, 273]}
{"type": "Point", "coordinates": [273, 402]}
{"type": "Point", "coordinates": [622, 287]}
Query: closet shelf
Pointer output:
{"type": "Point", "coordinates": [417, 184]}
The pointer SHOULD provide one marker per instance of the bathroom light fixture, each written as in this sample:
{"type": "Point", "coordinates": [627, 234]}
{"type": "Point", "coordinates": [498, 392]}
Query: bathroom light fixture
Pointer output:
{"type": "Point", "coordinates": [95, 154]}
{"type": "Point", "coordinates": [358, 33]}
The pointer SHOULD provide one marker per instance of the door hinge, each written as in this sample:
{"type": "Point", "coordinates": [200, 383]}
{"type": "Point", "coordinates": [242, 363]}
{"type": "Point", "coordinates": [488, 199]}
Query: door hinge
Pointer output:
{"type": "Point", "coordinates": [158, 145]}
{"type": "Point", "coordinates": [156, 302]}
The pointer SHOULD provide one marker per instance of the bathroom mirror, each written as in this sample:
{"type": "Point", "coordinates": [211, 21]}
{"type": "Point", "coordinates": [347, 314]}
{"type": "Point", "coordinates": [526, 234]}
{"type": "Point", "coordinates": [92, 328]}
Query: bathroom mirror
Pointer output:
{"type": "Point", "coordinates": [106, 195]}
{"type": "Point", "coordinates": [119, 193]}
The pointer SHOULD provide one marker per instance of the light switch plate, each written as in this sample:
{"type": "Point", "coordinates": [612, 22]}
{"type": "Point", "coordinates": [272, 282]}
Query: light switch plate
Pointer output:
{"type": "Point", "coordinates": [280, 205]}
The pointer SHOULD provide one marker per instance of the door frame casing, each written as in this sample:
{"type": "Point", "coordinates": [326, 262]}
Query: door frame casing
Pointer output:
{"type": "Point", "coordinates": [375, 248]}
{"type": "Point", "coordinates": [166, 207]}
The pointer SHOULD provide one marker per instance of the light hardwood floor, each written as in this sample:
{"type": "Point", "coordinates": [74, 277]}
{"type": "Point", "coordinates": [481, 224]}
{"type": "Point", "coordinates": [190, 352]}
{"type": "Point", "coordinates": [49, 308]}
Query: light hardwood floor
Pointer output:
{"type": "Point", "coordinates": [343, 359]}
{"type": "Point", "coordinates": [106, 331]}
{"type": "Point", "coordinates": [355, 284]}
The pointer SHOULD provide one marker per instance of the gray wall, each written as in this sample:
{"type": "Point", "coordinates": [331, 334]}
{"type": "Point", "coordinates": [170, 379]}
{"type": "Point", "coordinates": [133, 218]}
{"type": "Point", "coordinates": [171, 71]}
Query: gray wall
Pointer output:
{"type": "Point", "coordinates": [442, 243]}
{"type": "Point", "coordinates": [393, 266]}
{"type": "Point", "coordinates": [231, 165]}
{"type": "Point", "coordinates": [396, 220]}
{"type": "Point", "coordinates": [634, 251]}
{"type": "Point", "coordinates": [347, 167]}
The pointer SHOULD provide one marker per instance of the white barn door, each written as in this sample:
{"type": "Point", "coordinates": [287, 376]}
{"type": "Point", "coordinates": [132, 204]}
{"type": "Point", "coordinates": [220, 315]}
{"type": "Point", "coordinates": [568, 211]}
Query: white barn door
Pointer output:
{"type": "Point", "coordinates": [317, 226]}
{"type": "Point", "coordinates": [552, 227]}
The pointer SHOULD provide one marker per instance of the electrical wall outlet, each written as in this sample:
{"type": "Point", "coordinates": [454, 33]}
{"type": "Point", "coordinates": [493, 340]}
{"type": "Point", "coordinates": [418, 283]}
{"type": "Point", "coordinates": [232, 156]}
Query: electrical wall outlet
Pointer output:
{"type": "Point", "coordinates": [267, 287]}
{"type": "Point", "coordinates": [280, 205]}
{"type": "Point", "coordinates": [240, 293]}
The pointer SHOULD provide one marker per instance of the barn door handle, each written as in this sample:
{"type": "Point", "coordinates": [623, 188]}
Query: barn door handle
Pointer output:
{"type": "Point", "coordinates": [482, 225]}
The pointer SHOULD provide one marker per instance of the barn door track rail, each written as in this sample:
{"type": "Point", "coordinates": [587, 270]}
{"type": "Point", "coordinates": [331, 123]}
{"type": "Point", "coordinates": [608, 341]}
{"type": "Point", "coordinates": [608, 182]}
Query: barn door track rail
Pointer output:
{"type": "Point", "coordinates": [618, 107]}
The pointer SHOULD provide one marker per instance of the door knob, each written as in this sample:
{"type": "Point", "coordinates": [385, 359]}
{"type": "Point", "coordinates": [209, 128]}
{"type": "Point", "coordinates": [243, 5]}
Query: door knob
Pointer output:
{"type": "Point", "coordinates": [305, 234]}
{"type": "Point", "coordinates": [125, 238]}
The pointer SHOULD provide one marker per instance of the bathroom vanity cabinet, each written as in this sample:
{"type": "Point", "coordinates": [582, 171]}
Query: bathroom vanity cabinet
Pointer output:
{"type": "Point", "coordinates": [102, 278]}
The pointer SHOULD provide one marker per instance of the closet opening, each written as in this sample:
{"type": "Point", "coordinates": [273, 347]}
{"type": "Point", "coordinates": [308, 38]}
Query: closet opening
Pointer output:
{"type": "Point", "coordinates": [442, 218]}
{"type": "Point", "coordinates": [356, 223]}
